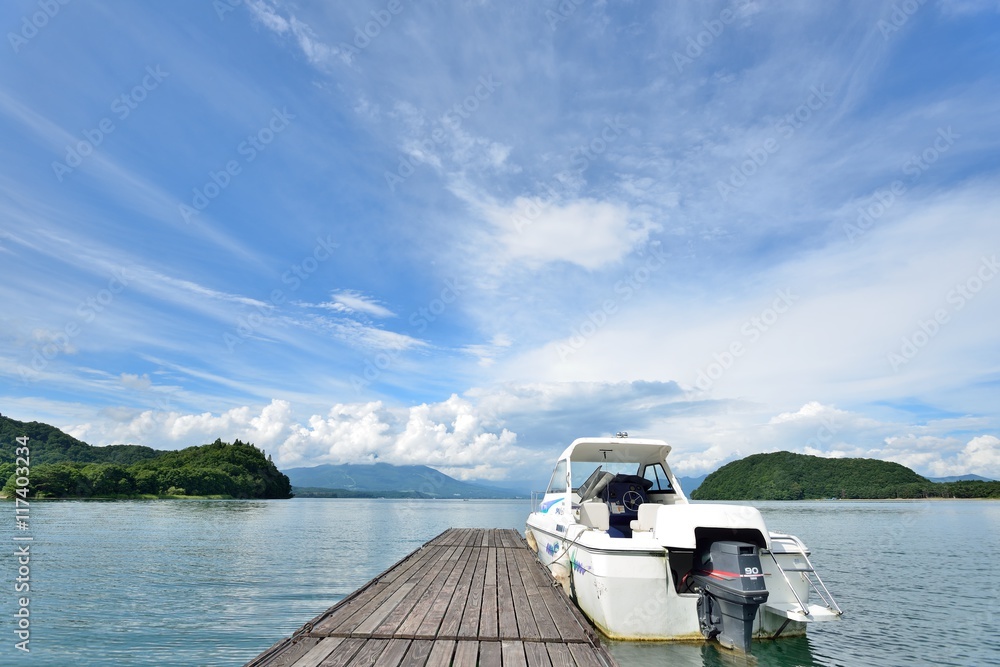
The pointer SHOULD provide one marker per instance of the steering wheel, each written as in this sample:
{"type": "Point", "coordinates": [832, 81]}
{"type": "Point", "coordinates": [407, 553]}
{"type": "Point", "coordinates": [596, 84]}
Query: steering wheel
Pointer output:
{"type": "Point", "coordinates": [631, 500]}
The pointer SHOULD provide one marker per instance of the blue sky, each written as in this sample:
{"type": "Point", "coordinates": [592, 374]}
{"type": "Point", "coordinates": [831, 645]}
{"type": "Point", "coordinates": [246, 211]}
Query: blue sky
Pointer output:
{"type": "Point", "coordinates": [464, 233]}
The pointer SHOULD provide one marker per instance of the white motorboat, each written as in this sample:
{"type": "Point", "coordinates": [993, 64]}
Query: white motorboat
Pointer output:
{"type": "Point", "coordinates": [643, 563]}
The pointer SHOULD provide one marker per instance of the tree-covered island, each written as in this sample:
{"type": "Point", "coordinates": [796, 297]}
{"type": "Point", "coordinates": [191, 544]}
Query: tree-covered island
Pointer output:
{"type": "Point", "coordinates": [788, 476]}
{"type": "Point", "coordinates": [63, 467]}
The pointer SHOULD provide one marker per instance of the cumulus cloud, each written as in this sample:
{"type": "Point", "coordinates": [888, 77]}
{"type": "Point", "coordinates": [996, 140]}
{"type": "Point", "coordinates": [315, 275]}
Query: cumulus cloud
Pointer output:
{"type": "Point", "coordinates": [136, 382]}
{"type": "Point", "coordinates": [586, 232]}
{"type": "Point", "coordinates": [980, 456]}
{"type": "Point", "coordinates": [451, 434]}
{"type": "Point", "coordinates": [516, 431]}
{"type": "Point", "coordinates": [350, 433]}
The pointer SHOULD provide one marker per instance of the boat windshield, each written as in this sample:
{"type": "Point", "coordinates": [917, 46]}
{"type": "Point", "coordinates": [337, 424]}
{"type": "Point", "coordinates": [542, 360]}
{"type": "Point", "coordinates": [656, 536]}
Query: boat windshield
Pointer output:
{"type": "Point", "coordinates": [581, 470]}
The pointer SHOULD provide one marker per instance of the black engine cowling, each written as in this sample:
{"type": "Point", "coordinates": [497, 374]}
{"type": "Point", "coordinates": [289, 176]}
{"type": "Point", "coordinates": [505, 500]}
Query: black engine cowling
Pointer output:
{"type": "Point", "coordinates": [731, 583]}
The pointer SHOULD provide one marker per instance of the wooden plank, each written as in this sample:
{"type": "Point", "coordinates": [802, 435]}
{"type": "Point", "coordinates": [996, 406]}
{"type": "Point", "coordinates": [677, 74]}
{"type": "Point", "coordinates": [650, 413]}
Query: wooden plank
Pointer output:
{"type": "Point", "coordinates": [390, 627]}
{"type": "Point", "coordinates": [566, 623]}
{"type": "Point", "coordinates": [466, 654]}
{"type": "Point", "coordinates": [318, 653]}
{"type": "Point", "coordinates": [432, 620]}
{"type": "Point", "coordinates": [510, 539]}
{"type": "Point", "coordinates": [343, 655]}
{"type": "Point", "coordinates": [489, 653]}
{"type": "Point", "coordinates": [505, 602]}
{"type": "Point", "coordinates": [528, 565]}
{"type": "Point", "coordinates": [369, 653]}
{"type": "Point", "coordinates": [584, 655]}
{"type": "Point", "coordinates": [536, 655]}
{"type": "Point", "coordinates": [422, 607]}
{"type": "Point", "coordinates": [290, 653]}
{"type": "Point", "coordinates": [559, 655]}
{"type": "Point", "coordinates": [418, 653]}
{"type": "Point", "coordinates": [469, 628]}
{"type": "Point", "coordinates": [488, 621]}
{"type": "Point", "coordinates": [378, 615]}
{"type": "Point", "coordinates": [452, 620]}
{"type": "Point", "coordinates": [393, 653]}
{"type": "Point", "coordinates": [527, 629]}
{"type": "Point", "coordinates": [513, 654]}
{"type": "Point", "coordinates": [441, 654]}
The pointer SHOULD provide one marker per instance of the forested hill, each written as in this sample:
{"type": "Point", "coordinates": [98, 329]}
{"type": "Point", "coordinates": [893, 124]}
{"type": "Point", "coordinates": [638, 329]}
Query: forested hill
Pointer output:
{"type": "Point", "coordinates": [63, 467]}
{"type": "Point", "coordinates": [50, 445]}
{"type": "Point", "coordinates": [788, 476]}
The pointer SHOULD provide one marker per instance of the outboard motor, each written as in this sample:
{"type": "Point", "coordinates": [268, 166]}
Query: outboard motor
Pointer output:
{"type": "Point", "coordinates": [731, 581]}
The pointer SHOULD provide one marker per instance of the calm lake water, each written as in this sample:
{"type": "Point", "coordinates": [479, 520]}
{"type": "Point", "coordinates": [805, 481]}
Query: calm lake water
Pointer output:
{"type": "Point", "coordinates": [217, 582]}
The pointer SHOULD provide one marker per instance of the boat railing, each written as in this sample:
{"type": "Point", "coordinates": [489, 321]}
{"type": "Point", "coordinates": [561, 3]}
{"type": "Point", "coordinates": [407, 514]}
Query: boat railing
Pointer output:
{"type": "Point", "coordinates": [536, 499]}
{"type": "Point", "coordinates": [808, 571]}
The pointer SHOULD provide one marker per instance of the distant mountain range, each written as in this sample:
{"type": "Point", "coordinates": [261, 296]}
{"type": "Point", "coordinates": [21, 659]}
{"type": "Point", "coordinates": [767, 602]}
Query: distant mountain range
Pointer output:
{"type": "Point", "coordinates": [394, 481]}
{"type": "Point", "coordinates": [689, 484]}
{"type": "Point", "coordinates": [961, 478]}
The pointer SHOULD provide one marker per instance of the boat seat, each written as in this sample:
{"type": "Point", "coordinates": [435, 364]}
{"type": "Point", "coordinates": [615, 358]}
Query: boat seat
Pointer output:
{"type": "Point", "coordinates": [614, 494]}
{"type": "Point", "coordinates": [647, 518]}
{"type": "Point", "coordinates": [595, 514]}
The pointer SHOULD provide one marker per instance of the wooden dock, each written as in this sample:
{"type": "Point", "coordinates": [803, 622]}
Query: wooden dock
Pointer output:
{"type": "Point", "coordinates": [467, 597]}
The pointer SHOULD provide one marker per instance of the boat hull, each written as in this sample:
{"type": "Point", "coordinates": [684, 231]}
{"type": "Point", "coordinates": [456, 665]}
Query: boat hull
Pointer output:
{"type": "Point", "coordinates": [627, 591]}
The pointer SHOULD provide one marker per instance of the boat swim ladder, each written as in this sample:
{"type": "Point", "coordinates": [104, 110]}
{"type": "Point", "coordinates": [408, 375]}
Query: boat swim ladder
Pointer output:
{"type": "Point", "coordinates": [808, 571]}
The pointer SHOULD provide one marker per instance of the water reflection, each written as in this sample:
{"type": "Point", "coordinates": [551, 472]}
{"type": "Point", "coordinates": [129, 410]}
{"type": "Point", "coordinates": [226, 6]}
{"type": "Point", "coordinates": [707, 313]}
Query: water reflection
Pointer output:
{"type": "Point", "coordinates": [796, 651]}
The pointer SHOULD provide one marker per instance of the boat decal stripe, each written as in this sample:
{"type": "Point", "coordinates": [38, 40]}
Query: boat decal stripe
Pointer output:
{"type": "Point", "coordinates": [598, 550]}
{"type": "Point", "coordinates": [722, 574]}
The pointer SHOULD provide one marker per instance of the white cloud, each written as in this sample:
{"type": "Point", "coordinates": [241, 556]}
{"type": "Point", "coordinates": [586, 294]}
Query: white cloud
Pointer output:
{"type": "Point", "coordinates": [486, 354]}
{"type": "Point", "coordinates": [363, 336]}
{"type": "Point", "coordinates": [353, 301]}
{"type": "Point", "coordinates": [980, 456]}
{"type": "Point", "coordinates": [266, 15]}
{"type": "Point", "coordinates": [136, 382]}
{"type": "Point", "coordinates": [585, 232]}
{"type": "Point", "coordinates": [451, 434]}
{"type": "Point", "coordinates": [516, 431]}
{"type": "Point", "coordinates": [355, 433]}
